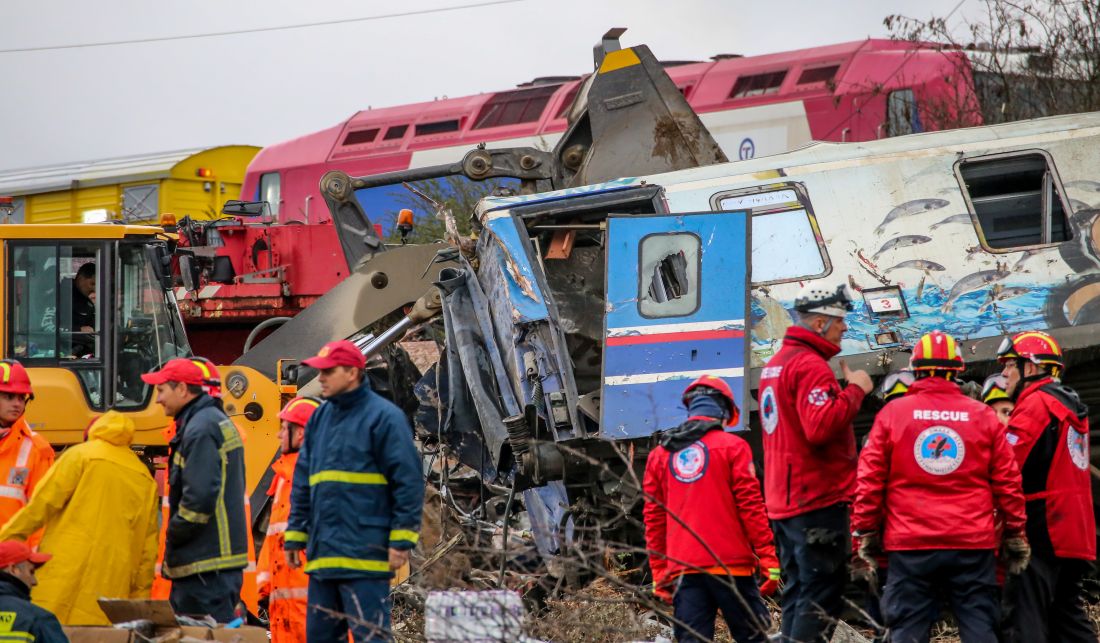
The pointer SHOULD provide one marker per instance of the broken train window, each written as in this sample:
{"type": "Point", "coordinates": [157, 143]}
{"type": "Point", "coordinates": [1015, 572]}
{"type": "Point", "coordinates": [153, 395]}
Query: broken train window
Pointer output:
{"type": "Point", "coordinates": [786, 244]}
{"type": "Point", "coordinates": [1016, 198]}
{"type": "Point", "coordinates": [668, 284]}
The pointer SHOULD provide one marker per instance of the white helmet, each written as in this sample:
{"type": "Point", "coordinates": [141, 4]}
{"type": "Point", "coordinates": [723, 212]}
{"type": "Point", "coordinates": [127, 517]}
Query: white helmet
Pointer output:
{"type": "Point", "coordinates": [824, 300]}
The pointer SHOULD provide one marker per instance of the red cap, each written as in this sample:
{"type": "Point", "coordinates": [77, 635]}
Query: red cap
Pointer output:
{"type": "Point", "coordinates": [179, 369]}
{"type": "Point", "coordinates": [15, 551]}
{"type": "Point", "coordinates": [339, 353]}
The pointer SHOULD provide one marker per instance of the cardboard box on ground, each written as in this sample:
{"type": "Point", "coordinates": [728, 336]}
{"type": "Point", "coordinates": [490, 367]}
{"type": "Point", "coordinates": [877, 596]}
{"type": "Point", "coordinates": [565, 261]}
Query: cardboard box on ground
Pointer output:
{"type": "Point", "coordinates": [160, 614]}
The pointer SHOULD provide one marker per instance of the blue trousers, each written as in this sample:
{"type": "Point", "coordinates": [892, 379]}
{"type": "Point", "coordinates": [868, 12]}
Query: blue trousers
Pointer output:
{"type": "Point", "coordinates": [335, 606]}
{"type": "Point", "coordinates": [700, 596]}
{"type": "Point", "coordinates": [213, 593]}
{"type": "Point", "coordinates": [813, 549]}
{"type": "Point", "coordinates": [920, 580]}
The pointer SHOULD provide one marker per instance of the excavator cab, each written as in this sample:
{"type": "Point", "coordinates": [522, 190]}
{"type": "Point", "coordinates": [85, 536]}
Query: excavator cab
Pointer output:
{"type": "Point", "coordinates": [87, 311]}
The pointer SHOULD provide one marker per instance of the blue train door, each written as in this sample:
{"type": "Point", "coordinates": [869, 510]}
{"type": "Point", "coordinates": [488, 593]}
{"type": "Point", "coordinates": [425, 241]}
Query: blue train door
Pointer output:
{"type": "Point", "coordinates": [677, 290]}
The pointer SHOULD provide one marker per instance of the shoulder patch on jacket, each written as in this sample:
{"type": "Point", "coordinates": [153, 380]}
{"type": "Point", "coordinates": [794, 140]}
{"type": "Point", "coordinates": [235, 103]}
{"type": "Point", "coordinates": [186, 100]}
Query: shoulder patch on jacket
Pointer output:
{"type": "Point", "coordinates": [1078, 445]}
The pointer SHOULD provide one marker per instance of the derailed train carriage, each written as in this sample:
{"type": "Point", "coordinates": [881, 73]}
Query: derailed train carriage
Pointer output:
{"type": "Point", "coordinates": [582, 313]}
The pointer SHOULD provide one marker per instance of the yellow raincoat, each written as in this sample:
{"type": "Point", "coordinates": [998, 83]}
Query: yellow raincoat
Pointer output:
{"type": "Point", "coordinates": [98, 505]}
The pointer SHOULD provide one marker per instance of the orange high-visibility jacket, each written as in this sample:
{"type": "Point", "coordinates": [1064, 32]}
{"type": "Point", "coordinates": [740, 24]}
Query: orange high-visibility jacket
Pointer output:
{"type": "Point", "coordinates": [162, 587]}
{"type": "Point", "coordinates": [25, 457]}
{"type": "Point", "coordinates": [284, 587]}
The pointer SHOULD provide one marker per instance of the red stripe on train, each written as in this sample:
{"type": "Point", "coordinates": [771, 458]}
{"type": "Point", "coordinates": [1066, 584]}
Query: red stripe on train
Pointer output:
{"type": "Point", "coordinates": [656, 338]}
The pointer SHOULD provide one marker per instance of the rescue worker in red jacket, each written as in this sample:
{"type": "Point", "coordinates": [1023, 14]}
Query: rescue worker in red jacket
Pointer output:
{"type": "Point", "coordinates": [935, 468]}
{"type": "Point", "coordinates": [810, 461]}
{"type": "Point", "coordinates": [1049, 433]}
{"type": "Point", "coordinates": [995, 394]}
{"type": "Point", "coordinates": [283, 588]}
{"type": "Point", "coordinates": [705, 524]}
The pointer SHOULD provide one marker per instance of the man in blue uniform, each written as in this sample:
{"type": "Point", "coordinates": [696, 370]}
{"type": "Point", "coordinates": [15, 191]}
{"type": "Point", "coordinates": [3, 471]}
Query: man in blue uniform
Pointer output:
{"type": "Point", "coordinates": [20, 620]}
{"type": "Point", "coordinates": [356, 502]}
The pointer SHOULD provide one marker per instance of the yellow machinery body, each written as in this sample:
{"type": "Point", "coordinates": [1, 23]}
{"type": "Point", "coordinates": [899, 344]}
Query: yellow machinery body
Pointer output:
{"type": "Point", "coordinates": [76, 374]}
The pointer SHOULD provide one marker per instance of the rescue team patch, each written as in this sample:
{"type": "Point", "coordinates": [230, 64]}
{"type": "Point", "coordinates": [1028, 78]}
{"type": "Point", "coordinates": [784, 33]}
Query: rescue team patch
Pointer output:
{"type": "Point", "coordinates": [19, 476]}
{"type": "Point", "coordinates": [690, 463]}
{"type": "Point", "coordinates": [769, 411]}
{"type": "Point", "coordinates": [1078, 444]}
{"type": "Point", "coordinates": [939, 450]}
{"type": "Point", "coordinates": [818, 397]}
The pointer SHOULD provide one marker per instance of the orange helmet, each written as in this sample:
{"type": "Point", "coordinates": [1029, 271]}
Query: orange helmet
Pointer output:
{"type": "Point", "coordinates": [714, 387]}
{"type": "Point", "coordinates": [211, 378]}
{"type": "Point", "coordinates": [937, 351]}
{"type": "Point", "coordinates": [1034, 346]}
{"type": "Point", "coordinates": [14, 378]}
{"type": "Point", "coordinates": [299, 410]}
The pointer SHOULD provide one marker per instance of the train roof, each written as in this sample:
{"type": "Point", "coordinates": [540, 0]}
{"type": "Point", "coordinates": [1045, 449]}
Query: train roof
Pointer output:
{"type": "Point", "coordinates": [70, 231]}
{"type": "Point", "coordinates": [122, 169]}
{"type": "Point", "coordinates": [722, 83]}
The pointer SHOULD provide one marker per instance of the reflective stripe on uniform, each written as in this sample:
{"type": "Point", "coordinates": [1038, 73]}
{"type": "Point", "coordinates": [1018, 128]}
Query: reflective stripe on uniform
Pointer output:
{"type": "Point", "coordinates": [340, 562]}
{"type": "Point", "coordinates": [164, 503]}
{"type": "Point", "coordinates": [193, 516]}
{"type": "Point", "coordinates": [295, 536]}
{"type": "Point", "coordinates": [262, 578]}
{"type": "Point", "coordinates": [13, 492]}
{"type": "Point", "coordinates": [407, 535]}
{"type": "Point", "coordinates": [239, 561]}
{"type": "Point", "coordinates": [24, 451]}
{"type": "Point", "coordinates": [276, 528]}
{"type": "Point", "coordinates": [349, 477]}
{"type": "Point", "coordinates": [289, 593]}
{"type": "Point", "coordinates": [16, 636]}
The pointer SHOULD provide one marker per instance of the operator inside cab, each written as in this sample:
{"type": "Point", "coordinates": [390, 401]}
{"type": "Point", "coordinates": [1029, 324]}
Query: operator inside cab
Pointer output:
{"type": "Point", "coordinates": [77, 316]}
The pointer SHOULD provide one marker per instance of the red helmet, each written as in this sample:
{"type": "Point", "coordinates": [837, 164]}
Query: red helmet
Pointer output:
{"type": "Point", "coordinates": [211, 378]}
{"type": "Point", "coordinates": [298, 410]}
{"type": "Point", "coordinates": [937, 351]}
{"type": "Point", "coordinates": [14, 378]}
{"type": "Point", "coordinates": [1034, 346]}
{"type": "Point", "coordinates": [719, 386]}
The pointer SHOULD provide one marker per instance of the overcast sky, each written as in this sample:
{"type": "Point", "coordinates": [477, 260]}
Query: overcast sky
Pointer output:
{"type": "Point", "coordinates": [70, 104]}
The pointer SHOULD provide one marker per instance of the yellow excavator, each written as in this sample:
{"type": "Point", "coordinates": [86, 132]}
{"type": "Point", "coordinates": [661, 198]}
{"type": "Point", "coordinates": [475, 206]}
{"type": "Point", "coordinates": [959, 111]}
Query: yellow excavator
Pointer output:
{"type": "Point", "coordinates": [88, 308]}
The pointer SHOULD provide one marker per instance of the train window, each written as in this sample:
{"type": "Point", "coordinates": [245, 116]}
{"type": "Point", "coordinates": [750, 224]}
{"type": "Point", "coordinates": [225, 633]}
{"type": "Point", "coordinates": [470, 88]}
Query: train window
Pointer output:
{"type": "Point", "coordinates": [669, 274]}
{"type": "Point", "coordinates": [514, 107]}
{"type": "Point", "coordinates": [438, 127]}
{"type": "Point", "coordinates": [818, 75]}
{"type": "Point", "coordinates": [758, 84]}
{"type": "Point", "coordinates": [902, 115]}
{"type": "Point", "coordinates": [395, 132]}
{"type": "Point", "coordinates": [567, 102]}
{"type": "Point", "coordinates": [139, 203]}
{"type": "Point", "coordinates": [270, 191]}
{"type": "Point", "coordinates": [1017, 200]}
{"type": "Point", "coordinates": [358, 137]}
{"type": "Point", "coordinates": [786, 245]}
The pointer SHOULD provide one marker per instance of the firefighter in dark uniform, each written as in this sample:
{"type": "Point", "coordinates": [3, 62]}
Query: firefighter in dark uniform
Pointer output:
{"type": "Point", "coordinates": [21, 620]}
{"type": "Point", "coordinates": [935, 468]}
{"type": "Point", "coordinates": [1049, 433]}
{"type": "Point", "coordinates": [206, 544]}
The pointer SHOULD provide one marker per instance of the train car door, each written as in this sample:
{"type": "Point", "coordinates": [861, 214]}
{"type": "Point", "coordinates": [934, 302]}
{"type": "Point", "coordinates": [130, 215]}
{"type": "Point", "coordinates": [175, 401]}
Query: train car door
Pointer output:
{"type": "Point", "coordinates": [677, 290]}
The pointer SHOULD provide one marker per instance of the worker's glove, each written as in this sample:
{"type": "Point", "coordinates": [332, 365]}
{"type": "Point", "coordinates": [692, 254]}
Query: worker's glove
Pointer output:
{"type": "Point", "coordinates": [1016, 554]}
{"type": "Point", "coordinates": [662, 588]}
{"type": "Point", "coordinates": [865, 563]}
{"type": "Point", "coordinates": [770, 587]}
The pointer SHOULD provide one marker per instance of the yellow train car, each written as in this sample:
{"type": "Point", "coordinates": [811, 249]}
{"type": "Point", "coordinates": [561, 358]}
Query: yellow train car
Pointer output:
{"type": "Point", "coordinates": [131, 189]}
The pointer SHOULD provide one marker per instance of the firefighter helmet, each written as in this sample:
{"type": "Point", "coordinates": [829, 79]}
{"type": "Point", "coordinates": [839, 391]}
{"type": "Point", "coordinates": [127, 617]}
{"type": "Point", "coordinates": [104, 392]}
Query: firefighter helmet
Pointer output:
{"type": "Point", "coordinates": [995, 388]}
{"type": "Point", "coordinates": [14, 378]}
{"type": "Point", "coordinates": [937, 351]}
{"type": "Point", "coordinates": [211, 378]}
{"type": "Point", "coordinates": [717, 388]}
{"type": "Point", "coordinates": [298, 410]}
{"type": "Point", "coordinates": [824, 300]}
{"type": "Point", "coordinates": [896, 384]}
{"type": "Point", "coordinates": [1034, 346]}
